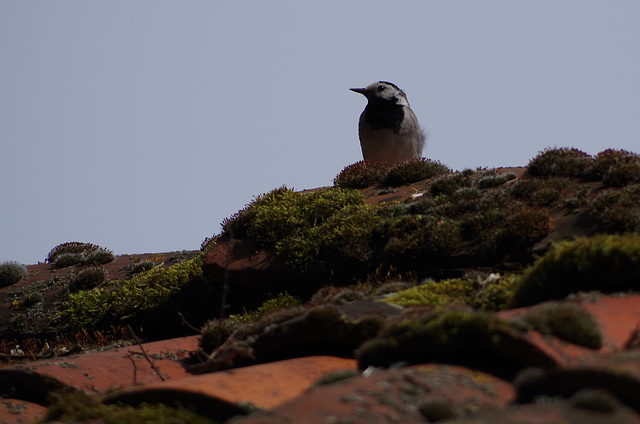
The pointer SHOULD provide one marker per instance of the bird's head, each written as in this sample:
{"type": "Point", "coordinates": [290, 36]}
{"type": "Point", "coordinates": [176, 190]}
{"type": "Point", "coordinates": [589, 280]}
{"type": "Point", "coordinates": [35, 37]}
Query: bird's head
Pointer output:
{"type": "Point", "coordinates": [383, 90]}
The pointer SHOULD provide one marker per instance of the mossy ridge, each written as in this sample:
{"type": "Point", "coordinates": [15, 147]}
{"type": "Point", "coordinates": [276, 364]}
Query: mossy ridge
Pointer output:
{"type": "Point", "coordinates": [286, 333]}
{"type": "Point", "coordinates": [122, 300]}
{"type": "Point", "coordinates": [606, 263]}
{"type": "Point", "coordinates": [332, 231]}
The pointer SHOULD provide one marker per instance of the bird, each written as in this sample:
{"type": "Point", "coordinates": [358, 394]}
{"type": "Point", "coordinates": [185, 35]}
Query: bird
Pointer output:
{"type": "Point", "coordinates": [388, 129]}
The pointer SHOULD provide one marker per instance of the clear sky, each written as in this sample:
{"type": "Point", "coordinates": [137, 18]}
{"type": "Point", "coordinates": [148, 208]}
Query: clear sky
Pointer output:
{"type": "Point", "coordinates": [140, 125]}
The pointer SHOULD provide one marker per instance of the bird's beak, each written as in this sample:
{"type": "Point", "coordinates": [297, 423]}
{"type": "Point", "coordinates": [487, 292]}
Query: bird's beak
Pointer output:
{"type": "Point", "coordinates": [359, 90]}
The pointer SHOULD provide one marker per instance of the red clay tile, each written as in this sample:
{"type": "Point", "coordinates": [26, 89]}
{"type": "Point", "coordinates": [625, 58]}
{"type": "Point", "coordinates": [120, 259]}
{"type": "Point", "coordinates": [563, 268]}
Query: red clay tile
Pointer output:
{"type": "Point", "coordinates": [14, 411]}
{"type": "Point", "coordinates": [394, 395]}
{"type": "Point", "coordinates": [121, 367]}
{"type": "Point", "coordinates": [618, 318]}
{"type": "Point", "coordinates": [265, 385]}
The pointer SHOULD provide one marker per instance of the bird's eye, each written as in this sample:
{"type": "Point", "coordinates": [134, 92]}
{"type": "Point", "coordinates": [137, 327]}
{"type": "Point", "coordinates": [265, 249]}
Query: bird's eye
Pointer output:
{"type": "Point", "coordinates": [381, 88]}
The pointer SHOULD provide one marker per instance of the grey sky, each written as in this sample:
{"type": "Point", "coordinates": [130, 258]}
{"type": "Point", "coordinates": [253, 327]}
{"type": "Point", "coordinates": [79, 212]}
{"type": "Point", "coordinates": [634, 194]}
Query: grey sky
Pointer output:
{"type": "Point", "coordinates": [140, 125]}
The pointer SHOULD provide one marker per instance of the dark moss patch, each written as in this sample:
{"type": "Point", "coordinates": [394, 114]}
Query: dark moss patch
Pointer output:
{"type": "Point", "coordinates": [291, 332]}
{"type": "Point", "coordinates": [453, 336]}
{"type": "Point", "coordinates": [606, 263]}
{"type": "Point", "coordinates": [618, 210]}
{"type": "Point", "coordinates": [88, 278]}
{"type": "Point", "coordinates": [569, 383]}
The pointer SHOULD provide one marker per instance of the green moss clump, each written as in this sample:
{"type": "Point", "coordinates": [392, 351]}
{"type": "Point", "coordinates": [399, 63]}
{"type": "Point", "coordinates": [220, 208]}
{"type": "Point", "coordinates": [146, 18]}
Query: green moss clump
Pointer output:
{"type": "Point", "coordinates": [606, 263]}
{"type": "Point", "coordinates": [560, 162]}
{"type": "Point", "coordinates": [82, 408]}
{"type": "Point", "coordinates": [492, 294]}
{"type": "Point", "coordinates": [449, 335]}
{"type": "Point", "coordinates": [124, 299]}
{"type": "Point", "coordinates": [283, 213]}
{"type": "Point", "coordinates": [11, 273]}
{"type": "Point", "coordinates": [618, 210]}
{"type": "Point", "coordinates": [361, 174]}
{"type": "Point", "coordinates": [413, 170]}
{"type": "Point", "coordinates": [431, 293]}
{"type": "Point", "coordinates": [567, 321]}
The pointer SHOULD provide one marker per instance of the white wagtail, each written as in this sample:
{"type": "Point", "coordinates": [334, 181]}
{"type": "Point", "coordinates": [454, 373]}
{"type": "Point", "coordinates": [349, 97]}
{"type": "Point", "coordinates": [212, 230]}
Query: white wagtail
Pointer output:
{"type": "Point", "coordinates": [389, 130]}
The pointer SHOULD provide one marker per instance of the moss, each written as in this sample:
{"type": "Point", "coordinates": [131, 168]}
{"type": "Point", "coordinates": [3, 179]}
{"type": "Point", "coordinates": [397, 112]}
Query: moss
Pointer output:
{"type": "Point", "coordinates": [449, 184]}
{"type": "Point", "coordinates": [491, 179]}
{"type": "Point", "coordinates": [566, 321]}
{"type": "Point", "coordinates": [412, 238]}
{"type": "Point", "coordinates": [431, 293]}
{"type": "Point", "coordinates": [283, 213]}
{"type": "Point", "coordinates": [88, 278]}
{"type": "Point", "coordinates": [617, 210]}
{"type": "Point", "coordinates": [413, 170]}
{"type": "Point", "coordinates": [299, 331]}
{"type": "Point", "coordinates": [216, 331]}
{"type": "Point", "coordinates": [341, 295]}
{"type": "Point", "coordinates": [525, 227]}
{"type": "Point", "coordinates": [595, 400]}
{"type": "Point", "coordinates": [617, 168]}
{"type": "Point", "coordinates": [449, 335]}
{"type": "Point", "coordinates": [343, 240]}
{"type": "Point", "coordinates": [560, 162]}
{"type": "Point", "coordinates": [437, 409]}
{"type": "Point", "coordinates": [11, 273]}
{"type": "Point", "coordinates": [123, 299]}
{"type": "Point", "coordinates": [336, 376]}
{"type": "Point", "coordinates": [491, 294]}
{"type": "Point", "coordinates": [80, 407]}
{"type": "Point", "coordinates": [361, 174]}
{"type": "Point", "coordinates": [75, 253]}
{"type": "Point", "coordinates": [607, 263]}
{"type": "Point", "coordinates": [282, 300]}
{"type": "Point", "coordinates": [140, 266]}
